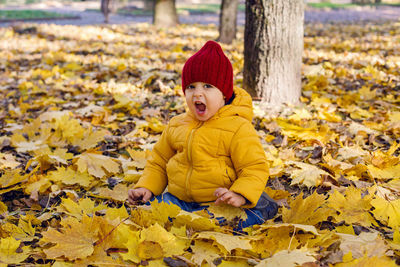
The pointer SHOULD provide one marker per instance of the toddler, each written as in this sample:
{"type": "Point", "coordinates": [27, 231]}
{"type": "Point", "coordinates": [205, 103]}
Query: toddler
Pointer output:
{"type": "Point", "coordinates": [211, 153]}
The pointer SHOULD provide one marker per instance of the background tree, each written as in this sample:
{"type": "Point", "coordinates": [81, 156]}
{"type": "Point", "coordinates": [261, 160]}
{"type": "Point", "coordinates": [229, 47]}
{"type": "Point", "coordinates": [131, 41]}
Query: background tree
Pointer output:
{"type": "Point", "coordinates": [227, 21]}
{"type": "Point", "coordinates": [148, 5]}
{"type": "Point", "coordinates": [109, 6]}
{"type": "Point", "coordinates": [273, 50]}
{"type": "Point", "coordinates": [165, 14]}
{"type": "Point", "coordinates": [105, 8]}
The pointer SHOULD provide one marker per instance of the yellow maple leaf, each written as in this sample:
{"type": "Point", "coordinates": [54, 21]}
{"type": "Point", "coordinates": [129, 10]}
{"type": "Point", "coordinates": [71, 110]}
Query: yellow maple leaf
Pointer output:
{"type": "Point", "coordinates": [308, 175]}
{"type": "Point", "coordinates": [170, 244]}
{"type": "Point", "coordinates": [366, 261]}
{"type": "Point", "coordinates": [133, 240]}
{"type": "Point", "coordinates": [69, 176]}
{"type": "Point", "coordinates": [8, 251]}
{"type": "Point", "coordinates": [15, 231]}
{"type": "Point", "coordinates": [227, 241]}
{"type": "Point", "coordinates": [85, 206]}
{"type": "Point", "coordinates": [8, 161]}
{"type": "Point", "coordinates": [352, 207]}
{"type": "Point", "coordinates": [162, 211]}
{"type": "Point", "coordinates": [68, 128]}
{"type": "Point", "coordinates": [116, 213]}
{"type": "Point", "coordinates": [149, 250]}
{"type": "Point", "coordinates": [358, 113]}
{"type": "Point", "coordinates": [346, 153]}
{"type": "Point", "coordinates": [288, 258]}
{"type": "Point", "coordinates": [12, 177]}
{"type": "Point", "coordinates": [75, 240]}
{"type": "Point", "coordinates": [98, 258]}
{"type": "Point", "coordinates": [139, 157]}
{"type": "Point", "coordinates": [96, 164]}
{"type": "Point", "coordinates": [310, 210]}
{"type": "Point", "coordinates": [308, 132]}
{"type": "Point", "coordinates": [294, 226]}
{"type": "Point", "coordinates": [154, 125]}
{"type": "Point", "coordinates": [391, 172]}
{"type": "Point", "coordinates": [195, 221]}
{"type": "Point", "coordinates": [204, 251]}
{"type": "Point", "coordinates": [300, 114]}
{"type": "Point", "coordinates": [47, 158]}
{"type": "Point", "coordinates": [229, 212]}
{"type": "Point", "coordinates": [40, 185]}
{"type": "Point", "coordinates": [268, 241]}
{"type": "Point", "coordinates": [91, 138]}
{"type": "Point", "coordinates": [387, 211]}
{"type": "Point", "coordinates": [118, 193]}
{"type": "Point", "coordinates": [329, 116]}
{"type": "Point", "coordinates": [3, 209]}
{"type": "Point", "coordinates": [354, 128]}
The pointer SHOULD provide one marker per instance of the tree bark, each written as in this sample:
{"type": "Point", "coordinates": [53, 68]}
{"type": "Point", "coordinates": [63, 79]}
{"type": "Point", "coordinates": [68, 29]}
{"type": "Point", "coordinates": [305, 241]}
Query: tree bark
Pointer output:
{"type": "Point", "coordinates": [165, 14]}
{"type": "Point", "coordinates": [273, 49]}
{"type": "Point", "coordinates": [227, 21]}
{"type": "Point", "coordinates": [148, 5]}
{"type": "Point", "coordinates": [106, 9]}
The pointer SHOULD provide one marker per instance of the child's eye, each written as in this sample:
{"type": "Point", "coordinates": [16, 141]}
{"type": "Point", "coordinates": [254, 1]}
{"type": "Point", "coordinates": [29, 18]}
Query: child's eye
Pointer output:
{"type": "Point", "coordinates": [189, 87]}
{"type": "Point", "coordinates": [208, 85]}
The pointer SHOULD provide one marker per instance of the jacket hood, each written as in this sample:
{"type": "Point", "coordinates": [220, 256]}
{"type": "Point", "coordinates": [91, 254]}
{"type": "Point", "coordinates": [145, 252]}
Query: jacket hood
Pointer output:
{"type": "Point", "coordinates": [241, 105]}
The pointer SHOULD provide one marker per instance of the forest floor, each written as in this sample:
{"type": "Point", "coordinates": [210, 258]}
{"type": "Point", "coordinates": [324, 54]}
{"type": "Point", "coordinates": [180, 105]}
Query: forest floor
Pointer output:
{"type": "Point", "coordinates": [87, 14]}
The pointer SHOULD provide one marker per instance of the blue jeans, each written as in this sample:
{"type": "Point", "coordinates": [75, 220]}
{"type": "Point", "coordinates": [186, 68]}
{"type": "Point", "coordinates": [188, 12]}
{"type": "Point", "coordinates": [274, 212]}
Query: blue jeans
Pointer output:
{"type": "Point", "coordinates": [254, 216]}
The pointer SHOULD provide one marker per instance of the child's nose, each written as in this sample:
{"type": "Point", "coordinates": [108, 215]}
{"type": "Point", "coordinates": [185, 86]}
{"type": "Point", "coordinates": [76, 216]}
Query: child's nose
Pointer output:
{"type": "Point", "coordinates": [198, 91]}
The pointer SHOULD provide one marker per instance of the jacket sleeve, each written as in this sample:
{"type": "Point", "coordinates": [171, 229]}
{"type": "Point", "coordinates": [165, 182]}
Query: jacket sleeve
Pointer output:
{"type": "Point", "coordinates": [250, 163]}
{"type": "Point", "coordinates": [154, 175]}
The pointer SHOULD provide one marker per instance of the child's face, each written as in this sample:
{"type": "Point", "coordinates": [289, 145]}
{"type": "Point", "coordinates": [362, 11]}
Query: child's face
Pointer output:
{"type": "Point", "coordinates": [203, 100]}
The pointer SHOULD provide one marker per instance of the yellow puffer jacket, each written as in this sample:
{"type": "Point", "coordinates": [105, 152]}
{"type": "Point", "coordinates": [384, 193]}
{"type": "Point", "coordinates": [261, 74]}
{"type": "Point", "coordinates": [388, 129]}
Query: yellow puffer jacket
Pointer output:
{"type": "Point", "coordinates": [194, 158]}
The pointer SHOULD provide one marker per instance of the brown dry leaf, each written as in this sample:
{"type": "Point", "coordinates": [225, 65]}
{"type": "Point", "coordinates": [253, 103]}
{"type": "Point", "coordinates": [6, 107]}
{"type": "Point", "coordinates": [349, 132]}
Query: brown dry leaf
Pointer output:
{"type": "Point", "coordinates": [370, 244]}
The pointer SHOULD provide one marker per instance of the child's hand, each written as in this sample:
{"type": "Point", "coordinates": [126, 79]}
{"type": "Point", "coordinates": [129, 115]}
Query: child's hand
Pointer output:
{"type": "Point", "coordinates": [139, 195]}
{"type": "Point", "coordinates": [228, 197]}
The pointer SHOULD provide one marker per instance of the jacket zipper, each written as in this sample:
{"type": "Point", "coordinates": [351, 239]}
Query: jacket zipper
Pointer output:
{"type": "Point", "coordinates": [189, 156]}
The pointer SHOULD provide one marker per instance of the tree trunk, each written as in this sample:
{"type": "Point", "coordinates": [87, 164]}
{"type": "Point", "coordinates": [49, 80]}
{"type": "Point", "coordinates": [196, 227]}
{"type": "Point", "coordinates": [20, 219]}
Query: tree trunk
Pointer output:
{"type": "Point", "coordinates": [165, 13]}
{"type": "Point", "coordinates": [148, 5]}
{"type": "Point", "coordinates": [227, 21]}
{"type": "Point", "coordinates": [273, 49]}
{"type": "Point", "coordinates": [106, 9]}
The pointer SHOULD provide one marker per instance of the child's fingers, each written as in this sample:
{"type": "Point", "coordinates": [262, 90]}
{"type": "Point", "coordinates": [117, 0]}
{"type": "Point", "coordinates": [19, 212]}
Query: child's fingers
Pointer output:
{"type": "Point", "coordinates": [220, 191]}
{"type": "Point", "coordinates": [231, 198]}
{"type": "Point", "coordinates": [135, 195]}
{"type": "Point", "coordinates": [223, 196]}
{"type": "Point", "coordinates": [147, 195]}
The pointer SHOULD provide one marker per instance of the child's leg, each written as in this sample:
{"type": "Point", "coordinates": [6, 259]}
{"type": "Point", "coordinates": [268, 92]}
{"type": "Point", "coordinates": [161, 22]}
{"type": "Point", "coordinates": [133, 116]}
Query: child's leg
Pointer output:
{"type": "Point", "coordinates": [265, 209]}
{"type": "Point", "coordinates": [187, 206]}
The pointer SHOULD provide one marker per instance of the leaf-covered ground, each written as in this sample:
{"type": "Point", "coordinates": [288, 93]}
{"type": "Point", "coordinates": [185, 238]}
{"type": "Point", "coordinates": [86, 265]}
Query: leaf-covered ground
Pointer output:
{"type": "Point", "coordinates": [82, 106]}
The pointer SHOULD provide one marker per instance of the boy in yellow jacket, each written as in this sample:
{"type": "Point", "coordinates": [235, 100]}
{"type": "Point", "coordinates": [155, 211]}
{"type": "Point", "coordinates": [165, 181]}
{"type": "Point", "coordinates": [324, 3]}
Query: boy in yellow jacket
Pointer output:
{"type": "Point", "coordinates": [212, 152]}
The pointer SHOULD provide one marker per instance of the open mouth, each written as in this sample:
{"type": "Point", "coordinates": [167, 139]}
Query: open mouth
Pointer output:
{"type": "Point", "coordinates": [200, 107]}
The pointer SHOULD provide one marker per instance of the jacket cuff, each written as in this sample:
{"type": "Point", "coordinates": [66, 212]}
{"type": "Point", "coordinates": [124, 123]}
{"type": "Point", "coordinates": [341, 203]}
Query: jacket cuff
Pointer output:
{"type": "Point", "coordinates": [250, 193]}
{"type": "Point", "coordinates": [154, 187]}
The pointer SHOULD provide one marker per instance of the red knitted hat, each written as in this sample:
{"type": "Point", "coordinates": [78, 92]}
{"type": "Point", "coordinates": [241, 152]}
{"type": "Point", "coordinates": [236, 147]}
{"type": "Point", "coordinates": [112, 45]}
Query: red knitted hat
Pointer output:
{"type": "Point", "coordinates": [209, 65]}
